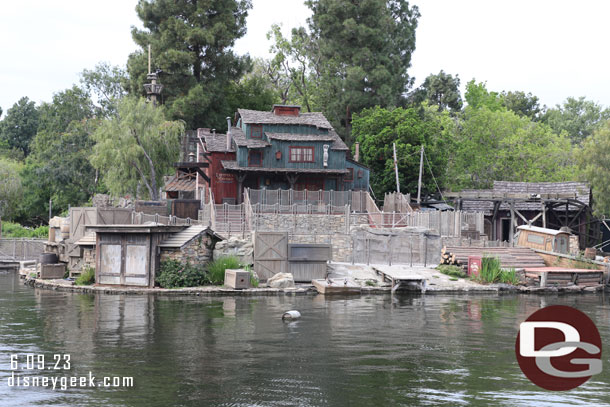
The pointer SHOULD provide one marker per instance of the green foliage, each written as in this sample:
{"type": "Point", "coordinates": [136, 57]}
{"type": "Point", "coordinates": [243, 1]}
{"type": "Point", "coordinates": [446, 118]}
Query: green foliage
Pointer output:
{"type": "Point", "coordinates": [86, 277]}
{"type": "Point", "coordinates": [498, 145]}
{"type": "Point", "coordinates": [578, 117]}
{"type": "Point", "coordinates": [136, 148]}
{"type": "Point", "coordinates": [174, 274]}
{"type": "Point", "coordinates": [216, 268]}
{"type": "Point", "coordinates": [10, 188]}
{"type": "Point", "coordinates": [377, 128]}
{"type": "Point", "coordinates": [10, 229]}
{"type": "Point", "coordinates": [106, 83]}
{"type": "Point", "coordinates": [477, 96]}
{"type": "Point", "coordinates": [453, 271]}
{"type": "Point", "coordinates": [594, 164]}
{"type": "Point", "coordinates": [360, 52]}
{"type": "Point", "coordinates": [441, 89]}
{"type": "Point", "coordinates": [20, 125]}
{"type": "Point", "coordinates": [522, 104]}
{"type": "Point", "coordinates": [191, 42]}
{"type": "Point", "coordinates": [509, 277]}
{"type": "Point", "coordinates": [490, 270]}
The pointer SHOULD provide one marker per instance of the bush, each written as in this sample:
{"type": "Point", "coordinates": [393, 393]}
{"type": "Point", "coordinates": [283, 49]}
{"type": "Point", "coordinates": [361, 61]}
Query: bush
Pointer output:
{"type": "Point", "coordinates": [216, 268]}
{"type": "Point", "coordinates": [509, 277]}
{"type": "Point", "coordinates": [452, 271]}
{"type": "Point", "coordinates": [87, 277]}
{"type": "Point", "coordinates": [175, 274]}
{"type": "Point", "coordinates": [492, 273]}
{"type": "Point", "coordinates": [10, 229]}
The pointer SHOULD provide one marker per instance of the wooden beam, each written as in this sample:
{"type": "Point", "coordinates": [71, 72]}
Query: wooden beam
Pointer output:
{"type": "Point", "coordinates": [203, 175]}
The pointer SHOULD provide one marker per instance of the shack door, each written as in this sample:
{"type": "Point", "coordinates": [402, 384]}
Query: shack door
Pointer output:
{"type": "Point", "coordinates": [186, 208]}
{"type": "Point", "coordinates": [123, 260]}
{"type": "Point", "coordinates": [270, 254]}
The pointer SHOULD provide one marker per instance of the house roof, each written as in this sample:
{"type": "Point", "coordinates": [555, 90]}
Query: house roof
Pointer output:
{"type": "Point", "coordinates": [580, 191]}
{"type": "Point", "coordinates": [181, 182]}
{"type": "Point", "coordinates": [233, 166]}
{"type": "Point", "coordinates": [217, 143]}
{"type": "Point", "coordinates": [179, 239]}
{"type": "Point", "coordinates": [546, 231]}
{"type": "Point", "coordinates": [241, 141]}
{"type": "Point", "coordinates": [315, 119]}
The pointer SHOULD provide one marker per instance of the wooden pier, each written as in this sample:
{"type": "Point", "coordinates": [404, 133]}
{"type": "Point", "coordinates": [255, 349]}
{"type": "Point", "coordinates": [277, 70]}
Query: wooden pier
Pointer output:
{"type": "Point", "coordinates": [400, 276]}
{"type": "Point", "coordinates": [561, 276]}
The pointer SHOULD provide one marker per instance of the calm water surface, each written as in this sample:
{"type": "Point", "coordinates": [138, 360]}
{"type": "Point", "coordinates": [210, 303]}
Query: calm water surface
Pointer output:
{"type": "Point", "coordinates": [383, 351]}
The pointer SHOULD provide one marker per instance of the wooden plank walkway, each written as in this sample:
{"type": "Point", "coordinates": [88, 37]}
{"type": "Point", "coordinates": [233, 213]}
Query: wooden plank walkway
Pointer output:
{"type": "Point", "coordinates": [399, 276]}
{"type": "Point", "coordinates": [565, 276]}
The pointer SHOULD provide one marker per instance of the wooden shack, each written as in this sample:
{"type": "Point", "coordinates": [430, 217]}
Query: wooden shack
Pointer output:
{"type": "Point", "coordinates": [129, 254]}
{"type": "Point", "coordinates": [549, 240]}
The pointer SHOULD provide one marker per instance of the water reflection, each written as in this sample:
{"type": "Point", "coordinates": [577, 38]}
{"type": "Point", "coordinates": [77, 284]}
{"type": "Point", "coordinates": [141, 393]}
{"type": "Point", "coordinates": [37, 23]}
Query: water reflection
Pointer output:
{"type": "Point", "coordinates": [191, 351]}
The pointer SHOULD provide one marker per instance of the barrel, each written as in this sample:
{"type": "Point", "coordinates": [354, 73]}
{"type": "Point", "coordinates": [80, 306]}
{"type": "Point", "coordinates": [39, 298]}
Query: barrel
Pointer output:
{"type": "Point", "coordinates": [291, 315]}
{"type": "Point", "coordinates": [590, 253]}
{"type": "Point", "coordinates": [65, 229]}
{"type": "Point", "coordinates": [48, 258]}
{"type": "Point", "coordinates": [51, 234]}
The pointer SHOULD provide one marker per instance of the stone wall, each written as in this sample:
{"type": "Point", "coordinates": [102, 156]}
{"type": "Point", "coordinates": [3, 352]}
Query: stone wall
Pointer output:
{"type": "Point", "coordinates": [198, 251]}
{"type": "Point", "coordinates": [243, 249]}
{"type": "Point", "coordinates": [300, 223]}
{"type": "Point", "coordinates": [89, 257]}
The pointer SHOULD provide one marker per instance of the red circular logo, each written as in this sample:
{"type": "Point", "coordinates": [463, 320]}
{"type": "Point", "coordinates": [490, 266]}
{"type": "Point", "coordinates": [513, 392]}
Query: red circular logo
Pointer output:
{"type": "Point", "coordinates": [559, 348]}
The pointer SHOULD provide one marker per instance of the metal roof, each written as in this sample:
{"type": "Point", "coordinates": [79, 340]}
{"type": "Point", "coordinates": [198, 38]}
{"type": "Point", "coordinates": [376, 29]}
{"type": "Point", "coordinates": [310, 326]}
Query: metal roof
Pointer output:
{"type": "Point", "coordinates": [178, 183]}
{"type": "Point", "coordinates": [181, 238]}
{"type": "Point", "coordinates": [546, 231]}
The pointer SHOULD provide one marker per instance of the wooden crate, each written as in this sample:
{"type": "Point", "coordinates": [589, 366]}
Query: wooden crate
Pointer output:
{"type": "Point", "coordinates": [237, 278]}
{"type": "Point", "coordinates": [52, 271]}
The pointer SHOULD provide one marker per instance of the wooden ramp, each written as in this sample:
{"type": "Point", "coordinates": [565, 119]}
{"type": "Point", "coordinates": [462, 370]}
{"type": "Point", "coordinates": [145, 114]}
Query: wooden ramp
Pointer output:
{"type": "Point", "coordinates": [561, 276]}
{"type": "Point", "coordinates": [335, 286]}
{"type": "Point", "coordinates": [401, 277]}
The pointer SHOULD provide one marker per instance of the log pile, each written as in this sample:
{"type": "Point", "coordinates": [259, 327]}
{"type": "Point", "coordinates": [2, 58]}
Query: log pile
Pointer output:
{"type": "Point", "coordinates": [510, 257]}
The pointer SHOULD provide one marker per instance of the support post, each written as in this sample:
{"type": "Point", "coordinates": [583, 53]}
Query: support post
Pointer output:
{"type": "Point", "coordinates": [396, 167]}
{"type": "Point", "coordinates": [511, 231]}
{"type": "Point", "coordinates": [421, 170]}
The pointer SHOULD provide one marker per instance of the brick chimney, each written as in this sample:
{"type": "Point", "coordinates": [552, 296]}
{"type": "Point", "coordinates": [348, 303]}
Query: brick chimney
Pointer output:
{"type": "Point", "coordinates": [286, 110]}
{"type": "Point", "coordinates": [228, 133]}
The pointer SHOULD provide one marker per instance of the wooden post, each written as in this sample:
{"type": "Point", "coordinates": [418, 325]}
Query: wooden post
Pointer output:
{"type": "Point", "coordinates": [543, 278]}
{"type": "Point", "coordinates": [511, 231]}
{"type": "Point", "coordinates": [421, 169]}
{"type": "Point", "coordinates": [396, 167]}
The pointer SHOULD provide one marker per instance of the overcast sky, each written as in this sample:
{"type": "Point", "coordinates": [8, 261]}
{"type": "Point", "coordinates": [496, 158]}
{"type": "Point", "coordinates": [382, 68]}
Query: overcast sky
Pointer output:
{"type": "Point", "coordinates": [552, 48]}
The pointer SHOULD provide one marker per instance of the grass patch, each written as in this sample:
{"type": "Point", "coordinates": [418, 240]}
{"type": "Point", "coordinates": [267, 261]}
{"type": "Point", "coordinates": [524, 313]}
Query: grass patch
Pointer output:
{"type": "Point", "coordinates": [10, 229]}
{"type": "Point", "coordinates": [216, 268]}
{"type": "Point", "coordinates": [491, 272]}
{"type": "Point", "coordinates": [371, 283]}
{"type": "Point", "coordinates": [87, 277]}
{"type": "Point", "coordinates": [452, 271]}
{"type": "Point", "coordinates": [453, 278]}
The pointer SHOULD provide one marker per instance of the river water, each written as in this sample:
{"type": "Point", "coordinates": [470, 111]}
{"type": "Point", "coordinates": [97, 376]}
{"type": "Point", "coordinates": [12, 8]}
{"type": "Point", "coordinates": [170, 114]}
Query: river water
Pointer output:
{"type": "Point", "coordinates": [200, 351]}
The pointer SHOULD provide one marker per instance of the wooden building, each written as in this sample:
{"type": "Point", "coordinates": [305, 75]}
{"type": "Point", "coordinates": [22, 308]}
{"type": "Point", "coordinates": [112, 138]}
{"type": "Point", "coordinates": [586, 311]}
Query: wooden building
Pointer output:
{"type": "Point", "coordinates": [549, 240]}
{"type": "Point", "coordinates": [552, 205]}
{"type": "Point", "coordinates": [278, 149]}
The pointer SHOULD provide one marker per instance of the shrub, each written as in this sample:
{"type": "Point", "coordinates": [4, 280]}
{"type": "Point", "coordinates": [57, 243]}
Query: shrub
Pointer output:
{"type": "Point", "coordinates": [509, 277]}
{"type": "Point", "coordinates": [490, 270]}
{"type": "Point", "coordinates": [87, 277]}
{"type": "Point", "coordinates": [10, 229]}
{"type": "Point", "coordinates": [452, 271]}
{"type": "Point", "coordinates": [216, 268]}
{"type": "Point", "coordinates": [174, 274]}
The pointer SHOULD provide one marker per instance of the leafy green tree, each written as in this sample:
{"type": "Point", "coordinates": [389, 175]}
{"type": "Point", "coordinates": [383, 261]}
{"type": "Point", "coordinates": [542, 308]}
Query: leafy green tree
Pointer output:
{"type": "Point", "coordinates": [10, 188]}
{"type": "Point", "coordinates": [136, 148]}
{"type": "Point", "coordinates": [192, 44]}
{"type": "Point", "coordinates": [594, 164]}
{"type": "Point", "coordinates": [106, 83]}
{"type": "Point", "coordinates": [20, 126]}
{"type": "Point", "coordinates": [522, 104]}
{"type": "Point", "coordinates": [291, 62]}
{"type": "Point", "coordinates": [360, 53]}
{"type": "Point", "coordinates": [440, 89]}
{"type": "Point", "coordinates": [254, 91]}
{"type": "Point", "coordinates": [578, 117]}
{"type": "Point", "coordinates": [73, 104]}
{"type": "Point", "coordinates": [377, 128]}
{"type": "Point", "coordinates": [478, 96]}
{"type": "Point", "coordinates": [499, 145]}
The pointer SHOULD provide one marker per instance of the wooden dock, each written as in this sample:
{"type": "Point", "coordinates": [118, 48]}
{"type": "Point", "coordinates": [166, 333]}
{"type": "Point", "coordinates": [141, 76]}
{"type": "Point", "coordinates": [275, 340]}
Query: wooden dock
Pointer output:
{"type": "Point", "coordinates": [400, 277]}
{"type": "Point", "coordinates": [335, 286]}
{"type": "Point", "coordinates": [561, 276]}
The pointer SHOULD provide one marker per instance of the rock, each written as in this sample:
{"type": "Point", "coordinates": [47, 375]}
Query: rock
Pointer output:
{"type": "Point", "coordinates": [281, 280]}
{"type": "Point", "coordinates": [592, 289]}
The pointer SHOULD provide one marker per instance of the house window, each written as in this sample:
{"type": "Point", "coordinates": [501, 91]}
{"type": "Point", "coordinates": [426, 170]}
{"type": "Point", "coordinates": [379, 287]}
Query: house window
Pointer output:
{"type": "Point", "coordinates": [349, 177]}
{"type": "Point", "coordinates": [256, 131]}
{"type": "Point", "coordinates": [301, 155]}
{"type": "Point", "coordinates": [255, 158]}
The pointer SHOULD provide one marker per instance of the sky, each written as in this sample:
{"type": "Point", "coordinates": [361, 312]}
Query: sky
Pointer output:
{"type": "Point", "coordinates": [551, 48]}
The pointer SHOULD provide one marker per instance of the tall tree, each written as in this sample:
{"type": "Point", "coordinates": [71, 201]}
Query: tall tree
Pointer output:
{"type": "Point", "coordinates": [192, 44]}
{"type": "Point", "coordinates": [579, 117]}
{"type": "Point", "coordinates": [522, 104]}
{"type": "Point", "coordinates": [106, 83]}
{"type": "Point", "coordinates": [376, 129]}
{"type": "Point", "coordinates": [10, 188]}
{"type": "Point", "coordinates": [594, 164]}
{"type": "Point", "coordinates": [136, 148]}
{"type": "Point", "coordinates": [477, 96]}
{"type": "Point", "coordinates": [440, 89]}
{"type": "Point", "coordinates": [362, 51]}
{"type": "Point", "coordinates": [20, 125]}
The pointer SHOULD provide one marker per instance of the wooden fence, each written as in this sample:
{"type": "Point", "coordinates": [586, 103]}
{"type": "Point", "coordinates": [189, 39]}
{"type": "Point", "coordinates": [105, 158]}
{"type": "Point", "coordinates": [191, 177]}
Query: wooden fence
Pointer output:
{"type": "Point", "coordinates": [17, 249]}
{"type": "Point", "coordinates": [357, 200]}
